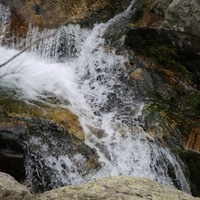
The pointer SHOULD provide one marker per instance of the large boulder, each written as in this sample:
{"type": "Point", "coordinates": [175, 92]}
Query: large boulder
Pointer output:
{"type": "Point", "coordinates": [105, 188]}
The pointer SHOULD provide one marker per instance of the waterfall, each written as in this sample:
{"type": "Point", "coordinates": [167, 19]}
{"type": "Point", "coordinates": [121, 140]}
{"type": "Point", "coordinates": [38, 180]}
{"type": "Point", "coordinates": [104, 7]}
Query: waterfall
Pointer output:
{"type": "Point", "coordinates": [73, 65]}
{"type": "Point", "coordinates": [4, 19]}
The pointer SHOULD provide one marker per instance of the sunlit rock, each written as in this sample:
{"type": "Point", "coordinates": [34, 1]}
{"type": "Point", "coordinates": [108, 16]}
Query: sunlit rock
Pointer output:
{"type": "Point", "coordinates": [52, 14]}
{"type": "Point", "coordinates": [137, 74]}
{"type": "Point", "coordinates": [11, 189]}
{"type": "Point", "coordinates": [105, 188]}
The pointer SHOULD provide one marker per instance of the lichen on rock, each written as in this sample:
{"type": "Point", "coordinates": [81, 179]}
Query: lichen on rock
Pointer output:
{"type": "Point", "coordinates": [105, 188]}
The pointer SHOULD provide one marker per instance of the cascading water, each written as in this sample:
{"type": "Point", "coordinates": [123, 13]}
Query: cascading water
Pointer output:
{"type": "Point", "coordinates": [74, 66]}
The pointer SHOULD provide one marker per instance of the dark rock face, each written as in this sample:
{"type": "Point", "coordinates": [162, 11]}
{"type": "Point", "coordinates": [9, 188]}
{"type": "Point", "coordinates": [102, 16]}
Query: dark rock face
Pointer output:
{"type": "Point", "coordinates": [12, 157]}
{"type": "Point", "coordinates": [144, 38]}
{"type": "Point", "coordinates": [176, 22]}
{"type": "Point", "coordinates": [192, 162]}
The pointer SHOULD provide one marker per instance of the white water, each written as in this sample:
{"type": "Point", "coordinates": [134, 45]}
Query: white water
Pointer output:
{"type": "Point", "coordinates": [88, 79]}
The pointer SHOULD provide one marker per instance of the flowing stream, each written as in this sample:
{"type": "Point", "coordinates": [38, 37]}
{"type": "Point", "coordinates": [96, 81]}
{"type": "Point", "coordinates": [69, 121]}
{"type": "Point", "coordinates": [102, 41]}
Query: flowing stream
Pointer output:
{"type": "Point", "coordinates": [74, 66]}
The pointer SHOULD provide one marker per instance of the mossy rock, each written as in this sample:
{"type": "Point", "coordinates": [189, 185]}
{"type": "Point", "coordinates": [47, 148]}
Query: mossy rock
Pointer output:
{"type": "Point", "coordinates": [158, 45]}
{"type": "Point", "coordinates": [28, 129]}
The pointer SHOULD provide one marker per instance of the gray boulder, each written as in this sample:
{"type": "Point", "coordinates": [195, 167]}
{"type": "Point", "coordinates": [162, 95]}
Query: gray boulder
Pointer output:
{"type": "Point", "coordinates": [10, 189]}
{"type": "Point", "coordinates": [108, 188]}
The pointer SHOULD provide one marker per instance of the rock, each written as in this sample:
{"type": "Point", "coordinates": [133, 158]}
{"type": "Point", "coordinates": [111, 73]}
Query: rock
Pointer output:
{"type": "Point", "coordinates": [33, 138]}
{"type": "Point", "coordinates": [191, 161]}
{"type": "Point", "coordinates": [105, 188]}
{"type": "Point", "coordinates": [115, 188]}
{"type": "Point", "coordinates": [10, 189]}
{"type": "Point", "coordinates": [137, 74]}
{"type": "Point", "coordinates": [52, 14]}
{"type": "Point", "coordinates": [178, 23]}
{"type": "Point", "coordinates": [171, 114]}
{"type": "Point", "coordinates": [183, 16]}
{"type": "Point", "coordinates": [193, 140]}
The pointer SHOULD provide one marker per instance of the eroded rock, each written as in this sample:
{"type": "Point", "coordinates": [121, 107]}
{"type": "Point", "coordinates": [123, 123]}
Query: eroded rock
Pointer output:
{"type": "Point", "coordinates": [176, 22]}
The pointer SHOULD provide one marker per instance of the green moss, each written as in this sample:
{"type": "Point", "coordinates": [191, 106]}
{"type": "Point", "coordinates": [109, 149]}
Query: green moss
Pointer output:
{"type": "Point", "coordinates": [192, 99]}
{"type": "Point", "coordinates": [143, 42]}
{"type": "Point", "coordinates": [167, 56]}
{"type": "Point", "coordinates": [192, 163]}
{"type": "Point", "coordinates": [162, 53]}
{"type": "Point", "coordinates": [141, 10]}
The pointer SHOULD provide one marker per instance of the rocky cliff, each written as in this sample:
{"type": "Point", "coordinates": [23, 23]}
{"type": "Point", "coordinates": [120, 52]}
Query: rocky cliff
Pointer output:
{"type": "Point", "coordinates": [165, 35]}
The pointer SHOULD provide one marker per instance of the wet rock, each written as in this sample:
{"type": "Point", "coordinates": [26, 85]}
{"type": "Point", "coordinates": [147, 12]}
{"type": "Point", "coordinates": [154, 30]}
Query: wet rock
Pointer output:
{"type": "Point", "coordinates": [166, 47]}
{"type": "Point", "coordinates": [191, 161]}
{"type": "Point", "coordinates": [175, 23]}
{"type": "Point", "coordinates": [171, 114]}
{"type": "Point", "coordinates": [35, 139]}
{"type": "Point", "coordinates": [193, 140]}
{"type": "Point", "coordinates": [52, 14]}
{"type": "Point", "coordinates": [11, 154]}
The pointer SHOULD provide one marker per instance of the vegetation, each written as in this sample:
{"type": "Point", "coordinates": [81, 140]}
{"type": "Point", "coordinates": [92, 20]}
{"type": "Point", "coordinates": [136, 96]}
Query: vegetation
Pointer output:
{"type": "Point", "coordinates": [144, 43]}
{"type": "Point", "coordinates": [167, 57]}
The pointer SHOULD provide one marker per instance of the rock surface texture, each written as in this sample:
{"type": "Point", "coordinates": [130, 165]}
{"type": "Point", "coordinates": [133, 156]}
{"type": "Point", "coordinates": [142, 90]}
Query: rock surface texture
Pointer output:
{"type": "Point", "coordinates": [10, 189]}
{"type": "Point", "coordinates": [52, 14]}
{"type": "Point", "coordinates": [110, 188]}
{"type": "Point", "coordinates": [20, 122]}
{"type": "Point", "coordinates": [178, 21]}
